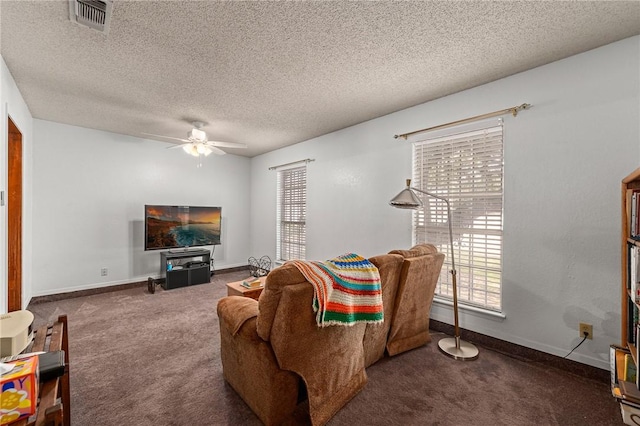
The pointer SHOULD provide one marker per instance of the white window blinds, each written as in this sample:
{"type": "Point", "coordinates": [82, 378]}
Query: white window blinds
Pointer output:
{"type": "Point", "coordinates": [467, 169]}
{"type": "Point", "coordinates": [291, 213]}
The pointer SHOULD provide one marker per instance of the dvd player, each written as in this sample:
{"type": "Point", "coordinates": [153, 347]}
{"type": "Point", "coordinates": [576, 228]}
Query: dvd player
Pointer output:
{"type": "Point", "coordinates": [195, 264]}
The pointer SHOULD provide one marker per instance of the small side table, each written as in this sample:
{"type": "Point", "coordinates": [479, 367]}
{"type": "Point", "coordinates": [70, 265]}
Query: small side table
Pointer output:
{"type": "Point", "coordinates": [237, 289]}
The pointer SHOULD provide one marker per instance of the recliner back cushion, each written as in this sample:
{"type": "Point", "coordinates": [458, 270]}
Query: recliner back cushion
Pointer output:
{"type": "Point", "coordinates": [269, 300]}
{"type": "Point", "coordinates": [416, 251]}
{"type": "Point", "coordinates": [375, 336]}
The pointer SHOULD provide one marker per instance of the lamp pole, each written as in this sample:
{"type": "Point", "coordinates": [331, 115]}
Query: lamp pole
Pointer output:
{"type": "Point", "coordinates": [454, 274]}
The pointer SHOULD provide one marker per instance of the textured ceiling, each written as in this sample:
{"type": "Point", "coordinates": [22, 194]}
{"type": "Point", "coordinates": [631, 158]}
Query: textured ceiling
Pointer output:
{"type": "Point", "coordinates": [271, 74]}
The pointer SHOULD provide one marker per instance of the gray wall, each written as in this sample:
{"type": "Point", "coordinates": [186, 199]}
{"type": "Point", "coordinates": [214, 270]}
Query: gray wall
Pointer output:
{"type": "Point", "coordinates": [90, 188]}
{"type": "Point", "coordinates": [12, 105]}
{"type": "Point", "coordinates": [564, 160]}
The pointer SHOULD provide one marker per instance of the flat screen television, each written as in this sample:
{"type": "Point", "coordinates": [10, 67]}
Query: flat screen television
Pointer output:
{"type": "Point", "coordinates": [169, 227]}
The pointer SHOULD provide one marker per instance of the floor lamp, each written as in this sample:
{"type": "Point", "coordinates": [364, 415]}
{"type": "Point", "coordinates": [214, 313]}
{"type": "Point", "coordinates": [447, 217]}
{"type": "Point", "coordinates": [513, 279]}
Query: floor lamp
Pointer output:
{"type": "Point", "coordinates": [452, 346]}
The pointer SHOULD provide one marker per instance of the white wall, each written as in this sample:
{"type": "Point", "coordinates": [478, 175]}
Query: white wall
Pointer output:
{"type": "Point", "coordinates": [564, 160]}
{"type": "Point", "coordinates": [12, 105]}
{"type": "Point", "coordinates": [90, 188]}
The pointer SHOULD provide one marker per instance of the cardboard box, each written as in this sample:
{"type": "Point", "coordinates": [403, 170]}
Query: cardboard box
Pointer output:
{"type": "Point", "coordinates": [19, 396]}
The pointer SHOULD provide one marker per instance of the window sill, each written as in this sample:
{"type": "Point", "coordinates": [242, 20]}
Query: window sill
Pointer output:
{"type": "Point", "coordinates": [474, 309]}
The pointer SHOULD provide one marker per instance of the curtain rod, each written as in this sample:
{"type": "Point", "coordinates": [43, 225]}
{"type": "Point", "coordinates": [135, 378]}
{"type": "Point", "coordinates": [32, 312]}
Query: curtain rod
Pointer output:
{"type": "Point", "coordinates": [513, 110]}
{"type": "Point", "coordinates": [306, 160]}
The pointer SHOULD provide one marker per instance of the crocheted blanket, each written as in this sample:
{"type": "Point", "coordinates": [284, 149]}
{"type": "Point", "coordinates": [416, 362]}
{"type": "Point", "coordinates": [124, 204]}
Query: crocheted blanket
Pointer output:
{"type": "Point", "coordinates": [347, 290]}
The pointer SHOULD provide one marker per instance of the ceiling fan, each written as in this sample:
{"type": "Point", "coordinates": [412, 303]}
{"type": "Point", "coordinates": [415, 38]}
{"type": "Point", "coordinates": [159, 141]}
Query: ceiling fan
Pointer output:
{"type": "Point", "coordinates": [198, 144]}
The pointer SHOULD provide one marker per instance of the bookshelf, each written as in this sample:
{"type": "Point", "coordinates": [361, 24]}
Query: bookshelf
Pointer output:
{"type": "Point", "coordinates": [625, 387]}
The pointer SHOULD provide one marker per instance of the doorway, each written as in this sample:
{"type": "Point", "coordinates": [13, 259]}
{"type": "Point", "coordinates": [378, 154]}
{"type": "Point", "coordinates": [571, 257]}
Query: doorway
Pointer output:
{"type": "Point", "coordinates": [14, 217]}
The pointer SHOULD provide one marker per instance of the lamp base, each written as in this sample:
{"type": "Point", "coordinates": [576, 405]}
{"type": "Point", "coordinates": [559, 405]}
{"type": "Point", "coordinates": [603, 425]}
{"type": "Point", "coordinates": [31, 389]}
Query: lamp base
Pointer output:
{"type": "Point", "coordinates": [463, 351]}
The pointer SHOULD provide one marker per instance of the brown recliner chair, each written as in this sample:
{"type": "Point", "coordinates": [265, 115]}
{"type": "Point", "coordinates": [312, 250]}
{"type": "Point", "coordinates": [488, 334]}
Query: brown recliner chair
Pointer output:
{"type": "Point", "coordinates": [410, 320]}
{"type": "Point", "coordinates": [269, 346]}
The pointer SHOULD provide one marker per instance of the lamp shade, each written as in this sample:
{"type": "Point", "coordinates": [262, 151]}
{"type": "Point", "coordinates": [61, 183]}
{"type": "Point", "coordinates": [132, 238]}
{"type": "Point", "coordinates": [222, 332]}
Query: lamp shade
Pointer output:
{"type": "Point", "coordinates": [406, 199]}
{"type": "Point", "coordinates": [206, 150]}
{"type": "Point", "coordinates": [191, 148]}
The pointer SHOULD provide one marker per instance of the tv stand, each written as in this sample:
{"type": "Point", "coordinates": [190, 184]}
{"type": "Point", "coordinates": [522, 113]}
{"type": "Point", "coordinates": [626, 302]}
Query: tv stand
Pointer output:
{"type": "Point", "coordinates": [185, 267]}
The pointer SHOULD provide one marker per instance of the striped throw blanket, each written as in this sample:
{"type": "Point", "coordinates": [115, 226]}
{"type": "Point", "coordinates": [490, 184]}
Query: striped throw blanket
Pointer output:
{"type": "Point", "coordinates": [347, 290]}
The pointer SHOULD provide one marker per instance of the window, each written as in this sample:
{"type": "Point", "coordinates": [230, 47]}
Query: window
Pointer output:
{"type": "Point", "coordinates": [465, 167]}
{"type": "Point", "coordinates": [291, 213]}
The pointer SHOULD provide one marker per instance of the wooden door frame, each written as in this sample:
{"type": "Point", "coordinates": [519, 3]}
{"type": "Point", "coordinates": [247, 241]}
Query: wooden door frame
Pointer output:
{"type": "Point", "coordinates": [14, 216]}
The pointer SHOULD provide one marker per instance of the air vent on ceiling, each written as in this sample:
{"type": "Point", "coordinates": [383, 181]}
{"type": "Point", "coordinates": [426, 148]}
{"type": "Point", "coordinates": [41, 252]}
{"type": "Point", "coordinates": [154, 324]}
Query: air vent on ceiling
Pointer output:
{"type": "Point", "coordinates": [95, 14]}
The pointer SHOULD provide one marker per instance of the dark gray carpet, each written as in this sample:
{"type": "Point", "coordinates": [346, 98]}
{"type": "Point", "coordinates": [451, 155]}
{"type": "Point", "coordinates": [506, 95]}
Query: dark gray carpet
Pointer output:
{"type": "Point", "coordinates": [154, 359]}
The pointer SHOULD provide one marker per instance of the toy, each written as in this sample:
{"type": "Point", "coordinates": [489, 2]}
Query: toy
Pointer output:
{"type": "Point", "coordinates": [19, 395]}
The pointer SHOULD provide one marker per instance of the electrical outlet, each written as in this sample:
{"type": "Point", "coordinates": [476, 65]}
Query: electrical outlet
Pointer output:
{"type": "Point", "coordinates": [586, 328]}
{"type": "Point", "coordinates": [104, 272]}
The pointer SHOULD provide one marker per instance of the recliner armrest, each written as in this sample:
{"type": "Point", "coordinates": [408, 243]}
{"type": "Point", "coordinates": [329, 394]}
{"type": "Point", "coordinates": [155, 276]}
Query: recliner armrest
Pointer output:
{"type": "Point", "coordinates": [234, 311]}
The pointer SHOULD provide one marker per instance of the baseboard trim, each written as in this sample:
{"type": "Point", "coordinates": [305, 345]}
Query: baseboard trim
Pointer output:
{"type": "Point", "coordinates": [107, 289]}
{"type": "Point", "coordinates": [523, 353]}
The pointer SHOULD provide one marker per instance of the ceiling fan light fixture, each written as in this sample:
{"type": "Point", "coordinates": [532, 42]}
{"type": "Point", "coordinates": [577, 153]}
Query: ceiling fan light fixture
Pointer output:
{"type": "Point", "coordinates": [191, 149]}
{"type": "Point", "coordinates": [198, 144]}
{"type": "Point", "coordinates": [203, 149]}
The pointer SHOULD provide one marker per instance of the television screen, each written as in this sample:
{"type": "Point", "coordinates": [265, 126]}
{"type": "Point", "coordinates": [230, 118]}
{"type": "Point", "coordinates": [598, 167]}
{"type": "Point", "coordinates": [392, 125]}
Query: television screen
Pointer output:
{"type": "Point", "coordinates": [169, 227]}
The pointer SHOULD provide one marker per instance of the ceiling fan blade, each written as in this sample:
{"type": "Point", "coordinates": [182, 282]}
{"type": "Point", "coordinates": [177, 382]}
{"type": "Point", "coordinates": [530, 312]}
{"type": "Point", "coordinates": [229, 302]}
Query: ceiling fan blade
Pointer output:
{"type": "Point", "coordinates": [177, 145]}
{"type": "Point", "coordinates": [166, 137]}
{"type": "Point", "coordinates": [227, 144]}
{"type": "Point", "coordinates": [216, 151]}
